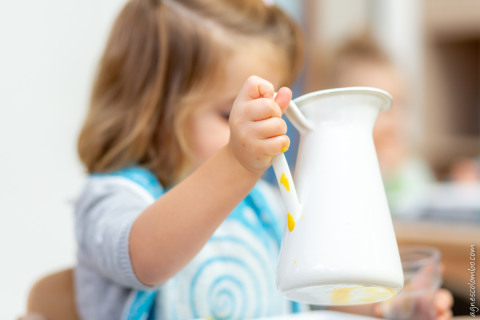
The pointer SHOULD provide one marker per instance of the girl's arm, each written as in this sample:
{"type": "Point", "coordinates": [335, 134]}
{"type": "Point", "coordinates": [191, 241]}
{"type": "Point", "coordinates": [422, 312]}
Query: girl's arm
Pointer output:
{"type": "Point", "coordinates": [170, 232]}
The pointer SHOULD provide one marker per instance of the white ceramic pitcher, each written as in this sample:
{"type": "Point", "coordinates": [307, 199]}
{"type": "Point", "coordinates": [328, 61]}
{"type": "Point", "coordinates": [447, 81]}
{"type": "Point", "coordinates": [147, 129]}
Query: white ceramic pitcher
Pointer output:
{"type": "Point", "coordinates": [339, 247]}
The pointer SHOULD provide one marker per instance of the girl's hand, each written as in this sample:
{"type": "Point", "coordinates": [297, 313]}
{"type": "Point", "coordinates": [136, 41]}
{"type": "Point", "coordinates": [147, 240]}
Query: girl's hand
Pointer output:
{"type": "Point", "coordinates": [257, 130]}
{"type": "Point", "coordinates": [443, 302]}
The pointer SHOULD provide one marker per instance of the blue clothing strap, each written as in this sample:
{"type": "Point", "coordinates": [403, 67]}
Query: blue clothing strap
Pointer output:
{"type": "Point", "coordinates": [143, 177]}
{"type": "Point", "coordinates": [143, 306]}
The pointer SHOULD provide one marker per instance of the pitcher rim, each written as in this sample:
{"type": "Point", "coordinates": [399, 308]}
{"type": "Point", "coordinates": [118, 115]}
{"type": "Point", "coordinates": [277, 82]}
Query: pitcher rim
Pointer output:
{"type": "Point", "coordinates": [376, 91]}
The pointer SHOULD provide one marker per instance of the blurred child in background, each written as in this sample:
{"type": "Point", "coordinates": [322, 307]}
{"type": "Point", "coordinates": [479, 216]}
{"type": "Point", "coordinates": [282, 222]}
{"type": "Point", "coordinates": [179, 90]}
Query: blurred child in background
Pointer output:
{"type": "Point", "coordinates": [361, 62]}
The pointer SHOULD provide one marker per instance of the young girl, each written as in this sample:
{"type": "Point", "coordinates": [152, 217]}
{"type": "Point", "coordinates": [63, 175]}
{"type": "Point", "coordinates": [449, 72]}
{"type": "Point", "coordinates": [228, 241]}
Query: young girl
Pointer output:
{"type": "Point", "coordinates": [172, 223]}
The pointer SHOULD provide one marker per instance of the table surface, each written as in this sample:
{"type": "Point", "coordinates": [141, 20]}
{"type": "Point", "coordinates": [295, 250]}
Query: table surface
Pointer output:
{"type": "Point", "coordinates": [320, 315]}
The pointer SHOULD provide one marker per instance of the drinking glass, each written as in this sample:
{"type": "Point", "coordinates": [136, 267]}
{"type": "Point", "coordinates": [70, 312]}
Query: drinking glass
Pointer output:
{"type": "Point", "coordinates": [421, 268]}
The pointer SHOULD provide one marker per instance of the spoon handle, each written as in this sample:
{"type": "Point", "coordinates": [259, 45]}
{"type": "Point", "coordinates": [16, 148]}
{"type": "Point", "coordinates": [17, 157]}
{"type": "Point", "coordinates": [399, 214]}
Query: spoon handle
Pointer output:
{"type": "Point", "coordinates": [287, 188]}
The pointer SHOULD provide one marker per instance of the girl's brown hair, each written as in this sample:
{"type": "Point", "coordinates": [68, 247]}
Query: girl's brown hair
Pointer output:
{"type": "Point", "coordinates": [159, 56]}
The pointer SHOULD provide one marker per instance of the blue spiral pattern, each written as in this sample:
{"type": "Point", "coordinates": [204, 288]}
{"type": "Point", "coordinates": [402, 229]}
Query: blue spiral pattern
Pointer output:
{"type": "Point", "coordinates": [224, 304]}
{"type": "Point", "coordinates": [223, 286]}
{"type": "Point", "coordinates": [232, 277]}
{"type": "Point", "coordinates": [233, 285]}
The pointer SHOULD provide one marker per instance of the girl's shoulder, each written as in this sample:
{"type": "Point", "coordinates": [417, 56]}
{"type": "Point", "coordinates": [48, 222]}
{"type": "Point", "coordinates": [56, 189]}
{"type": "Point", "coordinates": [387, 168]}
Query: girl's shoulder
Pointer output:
{"type": "Point", "coordinates": [133, 184]}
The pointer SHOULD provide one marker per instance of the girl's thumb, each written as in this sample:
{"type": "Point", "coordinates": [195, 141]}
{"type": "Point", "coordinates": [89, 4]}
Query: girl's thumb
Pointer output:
{"type": "Point", "coordinates": [283, 97]}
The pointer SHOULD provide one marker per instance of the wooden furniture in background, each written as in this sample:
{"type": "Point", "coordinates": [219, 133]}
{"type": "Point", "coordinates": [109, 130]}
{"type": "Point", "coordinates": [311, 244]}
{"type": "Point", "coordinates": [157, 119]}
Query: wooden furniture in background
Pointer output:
{"type": "Point", "coordinates": [452, 81]}
{"type": "Point", "coordinates": [52, 298]}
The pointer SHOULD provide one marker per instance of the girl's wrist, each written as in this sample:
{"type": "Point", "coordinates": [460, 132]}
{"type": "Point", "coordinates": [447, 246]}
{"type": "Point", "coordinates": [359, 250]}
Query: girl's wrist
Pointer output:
{"type": "Point", "coordinates": [238, 166]}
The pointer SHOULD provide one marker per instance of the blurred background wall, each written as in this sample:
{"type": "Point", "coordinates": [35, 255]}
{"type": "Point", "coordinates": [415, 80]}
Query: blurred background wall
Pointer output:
{"type": "Point", "coordinates": [436, 44]}
{"type": "Point", "coordinates": [48, 54]}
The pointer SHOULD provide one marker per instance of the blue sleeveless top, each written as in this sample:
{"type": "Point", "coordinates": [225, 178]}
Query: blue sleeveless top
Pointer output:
{"type": "Point", "coordinates": [232, 277]}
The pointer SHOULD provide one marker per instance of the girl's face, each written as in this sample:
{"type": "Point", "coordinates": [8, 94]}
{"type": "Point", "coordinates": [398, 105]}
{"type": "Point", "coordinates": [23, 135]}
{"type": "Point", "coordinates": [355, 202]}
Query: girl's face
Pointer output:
{"type": "Point", "coordinates": [208, 126]}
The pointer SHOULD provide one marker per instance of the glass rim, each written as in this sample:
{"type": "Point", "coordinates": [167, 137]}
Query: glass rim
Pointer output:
{"type": "Point", "coordinates": [427, 255]}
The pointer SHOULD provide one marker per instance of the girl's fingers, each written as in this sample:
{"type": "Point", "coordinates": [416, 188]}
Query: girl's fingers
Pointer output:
{"type": "Point", "coordinates": [270, 128]}
{"type": "Point", "coordinates": [257, 130]}
{"type": "Point", "coordinates": [445, 316]}
{"type": "Point", "coordinates": [443, 302]}
{"type": "Point", "coordinates": [273, 146]}
{"type": "Point", "coordinates": [254, 88]}
{"type": "Point", "coordinates": [283, 97]}
{"type": "Point", "coordinates": [257, 95]}
{"type": "Point", "coordinates": [443, 299]}
{"type": "Point", "coordinates": [262, 109]}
